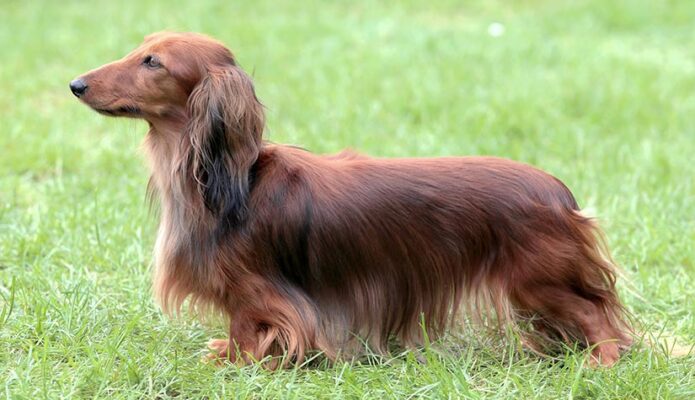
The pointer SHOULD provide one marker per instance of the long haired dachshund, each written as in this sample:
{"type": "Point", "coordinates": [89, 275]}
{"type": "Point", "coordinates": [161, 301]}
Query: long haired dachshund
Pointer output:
{"type": "Point", "coordinates": [304, 252]}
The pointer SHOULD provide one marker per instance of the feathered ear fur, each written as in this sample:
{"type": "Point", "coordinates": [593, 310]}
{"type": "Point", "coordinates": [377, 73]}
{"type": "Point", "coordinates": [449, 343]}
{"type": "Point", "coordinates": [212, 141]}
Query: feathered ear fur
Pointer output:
{"type": "Point", "coordinates": [225, 130]}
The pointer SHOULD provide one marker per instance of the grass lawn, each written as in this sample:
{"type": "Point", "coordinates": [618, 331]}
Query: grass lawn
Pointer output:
{"type": "Point", "coordinates": [599, 93]}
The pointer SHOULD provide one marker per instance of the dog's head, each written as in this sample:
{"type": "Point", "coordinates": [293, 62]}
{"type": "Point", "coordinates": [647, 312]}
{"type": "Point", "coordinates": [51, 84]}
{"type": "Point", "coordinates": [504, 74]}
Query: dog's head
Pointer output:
{"type": "Point", "coordinates": [192, 82]}
{"type": "Point", "coordinates": [157, 79]}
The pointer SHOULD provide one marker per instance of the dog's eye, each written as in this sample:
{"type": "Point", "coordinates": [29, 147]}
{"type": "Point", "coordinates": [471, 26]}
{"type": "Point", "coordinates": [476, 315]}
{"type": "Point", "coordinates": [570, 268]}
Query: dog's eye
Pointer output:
{"type": "Point", "coordinates": [151, 61]}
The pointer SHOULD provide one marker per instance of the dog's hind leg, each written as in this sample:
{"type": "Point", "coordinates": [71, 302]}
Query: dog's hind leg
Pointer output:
{"type": "Point", "coordinates": [574, 317]}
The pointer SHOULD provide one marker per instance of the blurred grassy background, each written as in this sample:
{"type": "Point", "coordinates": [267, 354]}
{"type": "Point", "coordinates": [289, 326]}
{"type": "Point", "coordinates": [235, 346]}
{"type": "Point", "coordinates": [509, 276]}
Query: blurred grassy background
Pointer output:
{"type": "Point", "coordinates": [599, 93]}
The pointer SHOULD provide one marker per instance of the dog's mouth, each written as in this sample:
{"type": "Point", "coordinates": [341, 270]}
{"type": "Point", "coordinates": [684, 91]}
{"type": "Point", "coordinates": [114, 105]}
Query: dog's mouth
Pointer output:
{"type": "Point", "coordinates": [122, 111]}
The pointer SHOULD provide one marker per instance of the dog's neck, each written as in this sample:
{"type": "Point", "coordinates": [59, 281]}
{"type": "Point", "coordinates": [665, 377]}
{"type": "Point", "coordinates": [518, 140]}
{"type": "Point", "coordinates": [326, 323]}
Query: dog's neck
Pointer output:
{"type": "Point", "coordinates": [167, 146]}
{"type": "Point", "coordinates": [163, 145]}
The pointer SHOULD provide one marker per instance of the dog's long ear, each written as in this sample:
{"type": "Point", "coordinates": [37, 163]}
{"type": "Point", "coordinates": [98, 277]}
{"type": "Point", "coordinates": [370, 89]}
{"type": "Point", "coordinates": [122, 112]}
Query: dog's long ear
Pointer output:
{"type": "Point", "coordinates": [225, 130]}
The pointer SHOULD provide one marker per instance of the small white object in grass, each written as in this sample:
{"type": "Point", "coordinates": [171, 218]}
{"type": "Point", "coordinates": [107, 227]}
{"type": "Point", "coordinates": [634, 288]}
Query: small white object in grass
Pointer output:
{"type": "Point", "coordinates": [495, 29]}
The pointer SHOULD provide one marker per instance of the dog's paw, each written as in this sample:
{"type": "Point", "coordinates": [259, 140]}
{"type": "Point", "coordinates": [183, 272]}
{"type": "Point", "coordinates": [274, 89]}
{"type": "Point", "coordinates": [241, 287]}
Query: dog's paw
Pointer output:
{"type": "Point", "coordinates": [219, 351]}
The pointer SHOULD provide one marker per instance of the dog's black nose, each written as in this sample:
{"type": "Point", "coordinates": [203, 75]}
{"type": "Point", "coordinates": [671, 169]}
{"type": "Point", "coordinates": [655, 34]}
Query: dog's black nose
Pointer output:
{"type": "Point", "coordinates": [78, 87]}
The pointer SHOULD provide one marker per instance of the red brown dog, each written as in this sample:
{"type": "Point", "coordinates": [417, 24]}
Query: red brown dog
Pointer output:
{"type": "Point", "coordinates": [305, 252]}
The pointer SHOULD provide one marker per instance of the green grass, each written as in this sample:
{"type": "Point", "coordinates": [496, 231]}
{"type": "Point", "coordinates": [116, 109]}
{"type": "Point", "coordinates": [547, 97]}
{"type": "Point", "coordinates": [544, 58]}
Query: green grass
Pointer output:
{"type": "Point", "coordinates": [599, 93]}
